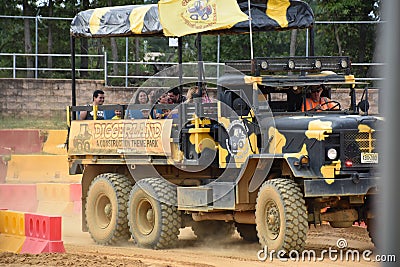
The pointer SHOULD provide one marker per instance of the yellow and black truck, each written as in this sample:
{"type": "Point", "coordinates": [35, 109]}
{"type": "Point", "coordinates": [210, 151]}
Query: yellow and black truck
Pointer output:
{"type": "Point", "coordinates": [248, 159]}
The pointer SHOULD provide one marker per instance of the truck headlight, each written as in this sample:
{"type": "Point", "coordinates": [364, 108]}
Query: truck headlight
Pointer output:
{"type": "Point", "coordinates": [343, 64]}
{"type": "Point", "coordinates": [317, 64]}
{"type": "Point", "coordinates": [264, 65]}
{"type": "Point", "coordinates": [332, 153]}
{"type": "Point", "coordinates": [291, 65]}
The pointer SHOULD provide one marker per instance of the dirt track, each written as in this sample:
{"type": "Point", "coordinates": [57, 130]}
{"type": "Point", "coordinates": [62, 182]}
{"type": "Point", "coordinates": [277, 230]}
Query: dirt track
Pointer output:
{"type": "Point", "coordinates": [82, 251]}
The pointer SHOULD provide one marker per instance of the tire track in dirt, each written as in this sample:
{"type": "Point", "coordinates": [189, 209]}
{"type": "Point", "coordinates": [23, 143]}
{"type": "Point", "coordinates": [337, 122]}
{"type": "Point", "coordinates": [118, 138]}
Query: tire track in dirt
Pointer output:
{"type": "Point", "coordinates": [233, 252]}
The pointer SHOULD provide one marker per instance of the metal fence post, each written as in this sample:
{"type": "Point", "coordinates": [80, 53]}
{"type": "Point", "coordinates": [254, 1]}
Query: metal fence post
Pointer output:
{"type": "Point", "coordinates": [14, 66]}
{"type": "Point", "coordinates": [307, 40]}
{"type": "Point", "coordinates": [36, 47]}
{"type": "Point", "coordinates": [126, 61]}
{"type": "Point", "coordinates": [105, 68]}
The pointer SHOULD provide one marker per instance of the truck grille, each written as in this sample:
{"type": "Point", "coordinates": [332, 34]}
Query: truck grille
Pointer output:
{"type": "Point", "coordinates": [355, 143]}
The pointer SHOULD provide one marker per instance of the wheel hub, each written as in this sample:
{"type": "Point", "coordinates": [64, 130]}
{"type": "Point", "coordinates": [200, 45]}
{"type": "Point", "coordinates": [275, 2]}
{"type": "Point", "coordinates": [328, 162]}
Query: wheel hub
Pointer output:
{"type": "Point", "coordinates": [272, 220]}
{"type": "Point", "coordinates": [108, 210]}
{"type": "Point", "coordinates": [145, 217]}
{"type": "Point", "coordinates": [150, 216]}
{"type": "Point", "coordinates": [103, 211]}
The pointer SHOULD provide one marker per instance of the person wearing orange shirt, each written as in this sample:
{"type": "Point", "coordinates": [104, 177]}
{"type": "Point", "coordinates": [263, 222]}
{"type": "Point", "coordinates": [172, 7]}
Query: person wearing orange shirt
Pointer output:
{"type": "Point", "coordinates": [317, 103]}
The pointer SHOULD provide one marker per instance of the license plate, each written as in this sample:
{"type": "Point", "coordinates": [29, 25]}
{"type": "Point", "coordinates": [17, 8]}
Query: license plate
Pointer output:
{"type": "Point", "coordinates": [369, 157]}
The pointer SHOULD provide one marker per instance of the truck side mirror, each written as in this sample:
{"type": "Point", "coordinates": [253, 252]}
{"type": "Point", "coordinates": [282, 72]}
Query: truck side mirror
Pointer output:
{"type": "Point", "coordinates": [240, 107]}
{"type": "Point", "coordinates": [363, 105]}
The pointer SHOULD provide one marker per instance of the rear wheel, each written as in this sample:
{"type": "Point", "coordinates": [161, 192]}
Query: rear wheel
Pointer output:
{"type": "Point", "coordinates": [213, 229]}
{"type": "Point", "coordinates": [154, 219]}
{"type": "Point", "coordinates": [106, 208]}
{"type": "Point", "coordinates": [281, 216]}
{"type": "Point", "coordinates": [247, 231]}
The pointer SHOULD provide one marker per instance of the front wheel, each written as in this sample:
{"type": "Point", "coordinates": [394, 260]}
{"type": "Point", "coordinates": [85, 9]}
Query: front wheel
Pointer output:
{"type": "Point", "coordinates": [154, 219]}
{"type": "Point", "coordinates": [281, 216]}
{"type": "Point", "coordinates": [106, 208]}
{"type": "Point", "coordinates": [371, 228]}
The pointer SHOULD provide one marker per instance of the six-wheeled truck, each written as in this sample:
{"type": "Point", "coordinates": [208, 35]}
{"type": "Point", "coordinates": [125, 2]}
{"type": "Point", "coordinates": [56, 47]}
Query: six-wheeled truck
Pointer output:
{"type": "Point", "coordinates": [249, 159]}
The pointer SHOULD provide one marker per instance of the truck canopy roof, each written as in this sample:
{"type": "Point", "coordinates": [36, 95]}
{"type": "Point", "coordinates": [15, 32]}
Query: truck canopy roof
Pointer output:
{"type": "Point", "coordinates": [208, 17]}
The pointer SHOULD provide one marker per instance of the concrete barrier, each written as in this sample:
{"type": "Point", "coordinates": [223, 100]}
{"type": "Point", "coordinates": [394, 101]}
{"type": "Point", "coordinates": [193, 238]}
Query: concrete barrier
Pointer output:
{"type": "Point", "coordinates": [62, 200]}
{"type": "Point", "coordinates": [42, 199]}
{"type": "Point", "coordinates": [59, 199]}
{"type": "Point", "coordinates": [54, 142]}
{"type": "Point", "coordinates": [45, 198]}
{"type": "Point", "coordinates": [21, 141]}
{"type": "Point", "coordinates": [53, 192]}
{"type": "Point", "coordinates": [43, 234]}
{"type": "Point", "coordinates": [3, 170]}
{"type": "Point", "coordinates": [39, 169]}
{"type": "Point", "coordinates": [30, 233]}
{"type": "Point", "coordinates": [12, 231]}
{"type": "Point", "coordinates": [21, 197]}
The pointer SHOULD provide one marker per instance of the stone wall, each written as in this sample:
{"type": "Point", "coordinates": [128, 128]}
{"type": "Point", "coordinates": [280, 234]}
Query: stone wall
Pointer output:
{"type": "Point", "coordinates": [49, 98]}
{"type": "Point", "coordinates": [343, 97]}
{"type": "Point", "coordinates": [45, 97]}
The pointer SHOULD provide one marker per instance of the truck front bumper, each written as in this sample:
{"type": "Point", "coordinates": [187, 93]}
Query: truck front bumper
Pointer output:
{"type": "Point", "coordinates": [340, 187]}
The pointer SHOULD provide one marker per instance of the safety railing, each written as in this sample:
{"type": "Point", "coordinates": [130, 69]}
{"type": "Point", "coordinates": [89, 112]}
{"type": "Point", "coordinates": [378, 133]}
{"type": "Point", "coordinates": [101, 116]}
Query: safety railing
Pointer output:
{"type": "Point", "coordinates": [127, 71]}
{"type": "Point", "coordinates": [101, 67]}
{"type": "Point", "coordinates": [19, 59]}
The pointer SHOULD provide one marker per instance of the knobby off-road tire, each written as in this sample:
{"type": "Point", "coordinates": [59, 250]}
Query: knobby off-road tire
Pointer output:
{"type": "Point", "coordinates": [372, 203]}
{"type": "Point", "coordinates": [371, 228]}
{"type": "Point", "coordinates": [106, 212]}
{"type": "Point", "coordinates": [281, 216]}
{"type": "Point", "coordinates": [154, 219]}
{"type": "Point", "coordinates": [247, 231]}
{"type": "Point", "coordinates": [205, 230]}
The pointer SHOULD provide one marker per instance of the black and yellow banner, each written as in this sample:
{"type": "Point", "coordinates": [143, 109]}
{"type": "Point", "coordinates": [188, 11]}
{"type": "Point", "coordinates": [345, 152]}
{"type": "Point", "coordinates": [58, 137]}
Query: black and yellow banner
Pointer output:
{"type": "Point", "coordinates": [276, 15]}
{"type": "Point", "coordinates": [117, 21]}
{"type": "Point", "coordinates": [193, 16]}
{"type": "Point", "coordinates": [183, 17]}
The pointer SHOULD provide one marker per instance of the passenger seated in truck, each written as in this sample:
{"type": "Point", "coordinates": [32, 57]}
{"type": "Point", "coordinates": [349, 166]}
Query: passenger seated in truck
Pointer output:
{"type": "Point", "coordinates": [317, 103]}
{"type": "Point", "coordinates": [163, 113]}
{"type": "Point", "coordinates": [118, 114]}
{"type": "Point", "coordinates": [176, 96]}
{"type": "Point", "coordinates": [140, 97]}
{"type": "Point", "coordinates": [193, 93]}
{"type": "Point", "coordinates": [98, 100]}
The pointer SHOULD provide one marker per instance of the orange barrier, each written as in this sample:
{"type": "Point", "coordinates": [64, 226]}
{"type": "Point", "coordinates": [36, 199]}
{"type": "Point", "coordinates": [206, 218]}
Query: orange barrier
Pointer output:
{"type": "Point", "coordinates": [21, 141]}
{"type": "Point", "coordinates": [55, 141]}
{"type": "Point", "coordinates": [20, 197]}
{"type": "Point", "coordinates": [39, 169]}
{"type": "Point", "coordinates": [43, 234]}
{"type": "Point", "coordinates": [12, 231]}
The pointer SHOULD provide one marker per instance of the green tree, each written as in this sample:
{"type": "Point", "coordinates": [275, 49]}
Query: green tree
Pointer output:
{"type": "Point", "coordinates": [355, 40]}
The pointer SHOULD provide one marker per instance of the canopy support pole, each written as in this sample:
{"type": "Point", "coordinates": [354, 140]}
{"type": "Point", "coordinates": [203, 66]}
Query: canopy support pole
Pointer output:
{"type": "Point", "coordinates": [251, 32]}
{"type": "Point", "coordinates": [312, 48]}
{"type": "Point", "coordinates": [200, 64]}
{"type": "Point", "coordinates": [73, 96]}
{"type": "Point", "coordinates": [180, 60]}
